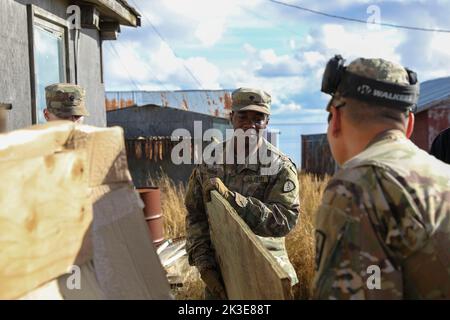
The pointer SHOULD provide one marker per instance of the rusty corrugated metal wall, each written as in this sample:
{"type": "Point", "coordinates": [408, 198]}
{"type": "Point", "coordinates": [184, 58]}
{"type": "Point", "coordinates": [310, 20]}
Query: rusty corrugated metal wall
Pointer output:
{"type": "Point", "coordinates": [150, 157]}
{"type": "Point", "coordinates": [316, 155]}
{"type": "Point", "coordinates": [210, 102]}
{"type": "Point", "coordinates": [149, 131]}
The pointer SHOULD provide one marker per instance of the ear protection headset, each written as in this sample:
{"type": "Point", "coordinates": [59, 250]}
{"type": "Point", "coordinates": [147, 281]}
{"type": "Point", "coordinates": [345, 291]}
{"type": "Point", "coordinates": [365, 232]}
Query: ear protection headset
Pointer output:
{"type": "Point", "coordinates": [399, 96]}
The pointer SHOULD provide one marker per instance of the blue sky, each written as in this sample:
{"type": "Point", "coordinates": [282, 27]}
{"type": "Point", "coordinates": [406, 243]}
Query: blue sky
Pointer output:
{"type": "Point", "coordinates": [256, 43]}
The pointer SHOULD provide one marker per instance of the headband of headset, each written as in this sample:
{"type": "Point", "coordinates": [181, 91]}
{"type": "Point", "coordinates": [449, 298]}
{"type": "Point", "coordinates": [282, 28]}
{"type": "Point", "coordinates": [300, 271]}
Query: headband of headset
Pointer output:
{"type": "Point", "coordinates": [337, 78]}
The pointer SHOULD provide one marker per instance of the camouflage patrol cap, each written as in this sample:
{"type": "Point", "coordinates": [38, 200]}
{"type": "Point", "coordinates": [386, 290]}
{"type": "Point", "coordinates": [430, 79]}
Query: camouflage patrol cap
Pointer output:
{"type": "Point", "coordinates": [65, 99]}
{"type": "Point", "coordinates": [248, 99]}
{"type": "Point", "coordinates": [380, 70]}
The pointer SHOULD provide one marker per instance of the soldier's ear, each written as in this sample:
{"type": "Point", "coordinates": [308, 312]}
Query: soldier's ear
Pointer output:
{"type": "Point", "coordinates": [45, 111]}
{"type": "Point", "coordinates": [410, 125]}
{"type": "Point", "coordinates": [335, 121]}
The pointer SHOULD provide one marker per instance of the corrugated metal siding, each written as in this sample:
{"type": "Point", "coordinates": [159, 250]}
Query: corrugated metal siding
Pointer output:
{"type": "Point", "coordinates": [211, 102]}
{"type": "Point", "coordinates": [148, 131]}
{"type": "Point", "coordinates": [316, 155]}
{"type": "Point", "coordinates": [433, 91]}
{"type": "Point", "coordinates": [151, 157]}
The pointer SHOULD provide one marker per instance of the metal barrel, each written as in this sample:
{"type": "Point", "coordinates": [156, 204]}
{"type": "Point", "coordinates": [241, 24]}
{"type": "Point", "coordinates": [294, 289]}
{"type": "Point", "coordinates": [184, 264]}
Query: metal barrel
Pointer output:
{"type": "Point", "coordinates": [153, 214]}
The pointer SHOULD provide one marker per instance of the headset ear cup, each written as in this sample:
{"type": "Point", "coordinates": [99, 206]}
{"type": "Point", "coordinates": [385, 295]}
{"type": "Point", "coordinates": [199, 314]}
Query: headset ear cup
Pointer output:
{"type": "Point", "coordinates": [412, 76]}
{"type": "Point", "coordinates": [333, 74]}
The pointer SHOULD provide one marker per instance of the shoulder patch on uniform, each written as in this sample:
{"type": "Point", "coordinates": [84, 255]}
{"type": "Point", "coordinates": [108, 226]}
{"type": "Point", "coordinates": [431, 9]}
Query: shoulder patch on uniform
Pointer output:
{"type": "Point", "coordinates": [320, 242]}
{"type": "Point", "coordinates": [288, 186]}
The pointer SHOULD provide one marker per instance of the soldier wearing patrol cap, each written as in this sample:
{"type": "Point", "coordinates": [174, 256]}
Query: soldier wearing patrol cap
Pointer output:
{"type": "Point", "coordinates": [267, 200]}
{"type": "Point", "coordinates": [65, 101]}
{"type": "Point", "coordinates": [383, 228]}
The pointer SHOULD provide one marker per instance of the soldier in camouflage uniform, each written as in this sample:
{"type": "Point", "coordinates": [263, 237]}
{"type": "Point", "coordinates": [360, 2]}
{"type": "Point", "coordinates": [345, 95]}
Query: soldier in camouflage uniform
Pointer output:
{"type": "Point", "coordinates": [65, 101]}
{"type": "Point", "coordinates": [383, 228]}
{"type": "Point", "coordinates": [265, 195]}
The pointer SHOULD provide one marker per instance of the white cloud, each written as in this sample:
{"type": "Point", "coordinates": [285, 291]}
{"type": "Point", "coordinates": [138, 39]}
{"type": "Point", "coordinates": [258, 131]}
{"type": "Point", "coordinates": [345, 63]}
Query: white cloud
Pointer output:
{"type": "Point", "coordinates": [286, 108]}
{"type": "Point", "coordinates": [436, 57]}
{"type": "Point", "coordinates": [361, 42]}
{"type": "Point", "coordinates": [210, 31]}
{"type": "Point", "coordinates": [249, 48]}
{"type": "Point", "coordinates": [208, 18]}
{"type": "Point", "coordinates": [314, 58]}
{"type": "Point", "coordinates": [201, 24]}
{"type": "Point", "coordinates": [282, 67]}
{"type": "Point", "coordinates": [206, 72]}
{"type": "Point", "coordinates": [159, 69]}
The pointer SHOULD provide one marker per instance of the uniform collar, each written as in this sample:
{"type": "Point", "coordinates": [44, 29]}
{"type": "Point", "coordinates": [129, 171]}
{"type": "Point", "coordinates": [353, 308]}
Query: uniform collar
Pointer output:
{"type": "Point", "coordinates": [382, 137]}
{"type": "Point", "coordinates": [391, 134]}
{"type": "Point", "coordinates": [242, 167]}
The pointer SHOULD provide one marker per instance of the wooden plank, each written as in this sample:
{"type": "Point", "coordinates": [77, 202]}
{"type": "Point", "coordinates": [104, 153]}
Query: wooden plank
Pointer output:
{"type": "Point", "coordinates": [126, 263]}
{"type": "Point", "coordinates": [45, 214]}
{"type": "Point", "coordinates": [107, 155]}
{"type": "Point", "coordinates": [66, 198]}
{"type": "Point", "coordinates": [57, 289]}
{"type": "Point", "coordinates": [35, 141]}
{"type": "Point", "coordinates": [248, 269]}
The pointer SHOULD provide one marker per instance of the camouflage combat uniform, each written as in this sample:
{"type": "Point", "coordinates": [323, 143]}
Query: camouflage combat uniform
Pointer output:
{"type": "Point", "coordinates": [269, 204]}
{"type": "Point", "coordinates": [388, 208]}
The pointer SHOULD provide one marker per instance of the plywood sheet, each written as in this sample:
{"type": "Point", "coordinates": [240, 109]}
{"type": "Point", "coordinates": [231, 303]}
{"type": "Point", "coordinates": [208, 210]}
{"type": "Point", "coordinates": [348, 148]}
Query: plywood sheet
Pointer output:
{"type": "Point", "coordinates": [66, 198]}
{"type": "Point", "coordinates": [126, 263]}
{"type": "Point", "coordinates": [248, 269]}
{"type": "Point", "coordinates": [45, 214]}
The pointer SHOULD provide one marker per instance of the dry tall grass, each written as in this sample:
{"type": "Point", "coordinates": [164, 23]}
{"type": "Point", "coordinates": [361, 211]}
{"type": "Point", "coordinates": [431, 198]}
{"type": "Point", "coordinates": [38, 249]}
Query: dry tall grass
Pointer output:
{"type": "Point", "coordinates": [299, 243]}
{"type": "Point", "coordinates": [172, 206]}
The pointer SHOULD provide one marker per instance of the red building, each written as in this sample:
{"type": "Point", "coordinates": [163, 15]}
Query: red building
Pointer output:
{"type": "Point", "coordinates": [433, 112]}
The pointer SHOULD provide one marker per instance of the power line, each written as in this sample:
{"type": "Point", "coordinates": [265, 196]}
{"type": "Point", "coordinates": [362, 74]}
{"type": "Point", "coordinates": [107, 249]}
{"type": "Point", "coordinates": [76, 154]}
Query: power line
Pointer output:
{"type": "Point", "coordinates": [154, 76]}
{"type": "Point", "coordinates": [151, 74]}
{"type": "Point", "coordinates": [188, 70]}
{"type": "Point", "coordinates": [358, 20]}
{"type": "Point", "coordinates": [124, 67]}
{"type": "Point", "coordinates": [259, 16]}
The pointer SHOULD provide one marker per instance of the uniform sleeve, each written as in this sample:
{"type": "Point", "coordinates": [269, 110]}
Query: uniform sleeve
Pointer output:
{"type": "Point", "coordinates": [362, 235]}
{"type": "Point", "coordinates": [198, 242]}
{"type": "Point", "coordinates": [278, 214]}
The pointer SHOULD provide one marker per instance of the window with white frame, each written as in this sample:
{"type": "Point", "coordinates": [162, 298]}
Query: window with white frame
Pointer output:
{"type": "Point", "coordinates": [49, 52]}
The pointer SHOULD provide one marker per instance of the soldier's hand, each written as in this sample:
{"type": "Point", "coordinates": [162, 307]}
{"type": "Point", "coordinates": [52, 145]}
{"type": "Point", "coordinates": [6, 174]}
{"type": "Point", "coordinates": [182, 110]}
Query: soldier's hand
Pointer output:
{"type": "Point", "coordinates": [215, 184]}
{"type": "Point", "coordinates": [212, 280]}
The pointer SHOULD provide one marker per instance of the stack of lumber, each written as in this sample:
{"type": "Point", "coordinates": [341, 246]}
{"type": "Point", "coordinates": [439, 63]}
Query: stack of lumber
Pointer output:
{"type": "Point", "coordinates": [71, 222]}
